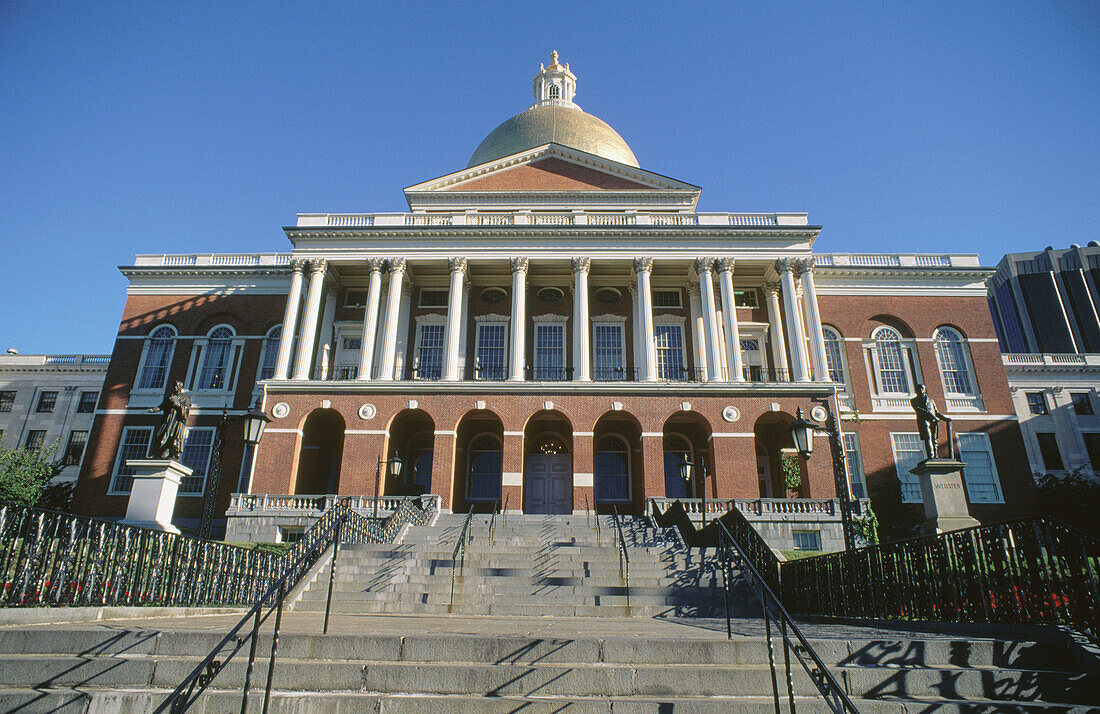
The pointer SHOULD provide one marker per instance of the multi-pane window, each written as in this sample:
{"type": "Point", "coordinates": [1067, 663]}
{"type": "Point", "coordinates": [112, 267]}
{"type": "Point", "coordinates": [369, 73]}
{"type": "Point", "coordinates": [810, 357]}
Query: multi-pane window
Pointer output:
{"type": "Point", "coordinates": [7, 398]}
{"type": "Point", "coordinates": [1036, 403]}
{"type": "Point", "coordinates": [197, 450]}
{"type": "Point", "coordinates": [666, 298]}
{"type": "Point", "coordinates": [433, 298]}
{"type": "Point", "coordinates": [908, 452]}
{"type": "Point", "coordinates": [806, 540]}
{"type": "Point", "coordinates": [607, 348]}
{"type": "Point", "coordinates": [612, 470]}
{"type": "Point", "coordinates": [549, 351]}
{"type": "Point", "coordinates": [134, 445]}
{"type": "Point", "coordinates": [35, 439]}
{"type": "Point", "coordinates": [744, 298]}
{"type": "Point", "coordinates": [74, 451]}
{"type": "Point", "coordinates": [158, 356]}
{"type": "Point", "coordinates": [834, 354]}
{"type": "Point", "coordinates": [670, 352]}
{"type": "Point", "coordinates": [677, 453]}
{"type": "Point", "coordinates": [1082, 403]}
{"type": "Point", "coordinates": [492, 339]}
{"type": "Point", "coordinates": [1048, 448]}
{"type": "Point", "coordinates": [215, 362]}
{"type": "Point", "coordinates": [429, 351]}
{"type": "Point", "coordinates": [46, 402]}
{"type": "Point", "coordinates": [86, 405]}
{"type": "Point", "coordinates": [980, 474]}
{"type": "Point", "coordinates": [420, 461]}
{"type": "Point", "coordinates": [483, 469]}
{"type": "Point", "coordinates": [854, 462]}
{"type": "Point", "coordinates": [890, 365]}
{"type": "Point", "coordinates": [954, 366]}
{"type": "Point", "coordinates": [271, 352]}
{"type": "Point", "coordinates": [355, 298]}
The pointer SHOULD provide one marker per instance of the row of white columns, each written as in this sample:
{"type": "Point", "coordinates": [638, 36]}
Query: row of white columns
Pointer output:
{"type": "Point", "coordinates": [720, 364]}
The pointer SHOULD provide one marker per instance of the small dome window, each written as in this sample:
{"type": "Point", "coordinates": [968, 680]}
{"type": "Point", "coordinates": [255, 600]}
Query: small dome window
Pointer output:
{"type": "Point", "coordinates": [555, 91]}
{"type": "Point", "coordinates": [550, 295]}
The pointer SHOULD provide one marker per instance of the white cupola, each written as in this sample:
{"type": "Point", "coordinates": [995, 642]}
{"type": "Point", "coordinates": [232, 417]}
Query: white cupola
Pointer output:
{"type": "Point", "coordinates": [555, 85]}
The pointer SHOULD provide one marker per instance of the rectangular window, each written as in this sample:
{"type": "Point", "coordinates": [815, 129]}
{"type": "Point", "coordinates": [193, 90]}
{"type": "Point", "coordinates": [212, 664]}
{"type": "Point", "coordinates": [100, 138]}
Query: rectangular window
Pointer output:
{"type": "Point", "coordinates": [75, 449]}
{"type": "Point", "coordinates": [549, 352]}
{"type": "Point", "coordinates": [1036, 403]}
{"type": "Point", "coordinates": [607, 350]}
{"type": "Point", "coordinates": [980, 474]}
{"type": "Point", "coordinates": [197, 450]}
{"type": "Point", "coordinates": [807, 540]}
{"type": "Point", "coordinates": [433, 298]}
{"type": "Point", "coordinates": [429, 352]}
{"type": "Point", "coordinates": [86, 405]}
{"type": "Point", "coordinates": [492, 360]}
{"type": "Point", "coordinates": [1092, 445]}
{"type": "Point", "coordinates": [745, 298]}
{"type": "Point", "coordinates": [666, 298]}
{"type": "Point", "coordinates": [46, 402]}
{"type": "Point", "coordinates": [352, 343]}
{"type": "Point", "coordinates": [854, 462]}
{"type": "Point", "coordinates": [7, 398]}
{"type": "Point", "coordinates": [1048, 447]}
{"type": "Point", "coordinates": [35, 439]}
{"type": "Point", "coordinates": [134, 445]}
{"type": "Point", "coordinates": [355, 298]}
{"type": "Point", "coordinates": [1082, 403]}
{"type": "Point", "coordinates": [908, 452]}
{"type": "Point", "coordinates": [670, 352]}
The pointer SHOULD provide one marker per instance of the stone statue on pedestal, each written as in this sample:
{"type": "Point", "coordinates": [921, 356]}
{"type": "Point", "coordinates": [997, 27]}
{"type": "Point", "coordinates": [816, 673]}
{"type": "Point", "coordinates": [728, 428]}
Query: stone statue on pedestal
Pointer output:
{"type": "Point", "coordinates": [167, 442]}
{"type": "Point", "coordinates": [928, 423]}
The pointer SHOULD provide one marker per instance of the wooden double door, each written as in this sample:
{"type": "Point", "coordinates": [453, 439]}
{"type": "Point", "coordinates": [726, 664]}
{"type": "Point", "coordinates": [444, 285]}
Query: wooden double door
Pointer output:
{"type": "Point", "coordinates": [548, 483]}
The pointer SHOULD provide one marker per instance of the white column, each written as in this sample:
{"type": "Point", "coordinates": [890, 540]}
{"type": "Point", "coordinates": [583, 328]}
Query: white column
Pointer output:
{"type": "Point", "coordinates": [393, 307]}
{"type": "Point", "coordinates": [635, 336]}
{"type": "Point", "coordinates": [729, 315]}
{"type": "Point", "coordinates": [519, 318]}
{"type": "Point", "coordinates": [813, 321]}
{"type": "Point", "coordinates": [463, 331]}
{"type": "Point", "coordinates": [309, 321]}
{"type": "Point", "coordinates": [324, 338]}
{"type": "Point", "coordinates": [370, 318]}
{"type": "Point", "coordinates": [698, 339]}
{"type": "Point", "coordinates": [710, 319]}
{"type": "Point", "coordinates": [799, 367]}
{"type": "Point", "coordinates": [404, 317]}
{"type": "Point", "coordinates": [454, 320]}
{"type": "Point", "coordinates": [643, 267]}
{"type": "Point", "coordinates": [290, 319]}
{"type": "Point", "coordinates": [581, 351]}
{"type": "Point", "coordinates": [775, 331]}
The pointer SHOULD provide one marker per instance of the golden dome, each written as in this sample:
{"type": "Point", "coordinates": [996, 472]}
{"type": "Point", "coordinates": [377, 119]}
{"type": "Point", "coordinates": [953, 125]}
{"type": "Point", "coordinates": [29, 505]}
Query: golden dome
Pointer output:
{"type": "Point", "coordinates": [553, 124]}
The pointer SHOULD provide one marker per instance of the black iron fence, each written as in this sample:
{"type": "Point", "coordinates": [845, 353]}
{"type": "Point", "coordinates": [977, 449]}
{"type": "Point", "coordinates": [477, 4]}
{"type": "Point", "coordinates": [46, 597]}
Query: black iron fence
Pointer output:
{"type": "Point", "coordinates": [1032, 570]}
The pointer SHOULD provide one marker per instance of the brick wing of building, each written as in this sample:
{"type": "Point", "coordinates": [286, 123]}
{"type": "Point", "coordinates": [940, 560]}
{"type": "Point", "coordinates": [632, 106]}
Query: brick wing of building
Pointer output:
{"type": "Point", "coordinates": [555, 327]}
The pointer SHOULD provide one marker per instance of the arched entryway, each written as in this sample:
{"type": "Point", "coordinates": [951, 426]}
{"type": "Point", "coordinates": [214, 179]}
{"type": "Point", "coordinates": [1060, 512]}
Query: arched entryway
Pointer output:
{"type": "Point", "coordinates": [479, 462]}
{"type": "Point", "coordinates": [617, 472]}
{"type": "Point", "coordinates": [412, 439]}
{"type": "Point", "coordinates": [319, 456]}
{"type": "Point", "coordinates": [774, 452]}
{"type": "Point", "coordinates": [686, 437]}
{"type": "Point", "coordinates": [548, 464]}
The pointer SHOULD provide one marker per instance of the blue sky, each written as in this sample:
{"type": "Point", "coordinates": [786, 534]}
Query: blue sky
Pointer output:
{"type": "Point", "coordinates": [150, 127]}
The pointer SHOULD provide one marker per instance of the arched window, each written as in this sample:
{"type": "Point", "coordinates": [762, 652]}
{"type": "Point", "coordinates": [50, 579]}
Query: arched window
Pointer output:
{"type": "Point", "coordinates": [612, 469]}
{"type": "Point", "coordinates": [420, 456]}
{"type": "Point", "coordinates": [890, 362]}
{"type": "Point", "coordinates": [270, 352]}
{"type": "Point", "coordinates": [157, 358]}
{"type": "Point", "coordinates": [677, 451]}
{"type": "Point", "coordinates": [555, 91]}
{"type": "Point", "coordinates": [953, 361]}
{"type": "Point", "coordinates": [834, 354]}
{"type": "Point", "coordinates": [215, 363]}
{"type": "Point", "coordinates": [484, 461]}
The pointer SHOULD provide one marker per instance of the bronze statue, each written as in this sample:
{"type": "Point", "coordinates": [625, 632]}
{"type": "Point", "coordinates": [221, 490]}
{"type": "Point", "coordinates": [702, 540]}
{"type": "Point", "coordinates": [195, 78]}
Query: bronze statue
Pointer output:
{"type": "Point", "coordinates": [168, 437]}
{"type": "Point", "coordinates": [928, 422]}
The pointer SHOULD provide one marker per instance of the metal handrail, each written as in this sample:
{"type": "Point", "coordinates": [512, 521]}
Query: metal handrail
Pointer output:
{"type": "Point", "coordinates": [826, 684]}
{"type": "Point", "coordinates": [460, 550]}
{"type": "Point", "coordinates": [591, 511]}
{"type": "Point", "coordinates": [624, 556]}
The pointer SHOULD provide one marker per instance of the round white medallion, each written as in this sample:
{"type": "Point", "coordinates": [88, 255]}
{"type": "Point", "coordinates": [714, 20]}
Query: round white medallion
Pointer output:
{"type": "Point", "coordinates": [367, 412]}
{"type": "Point", "coordinates": [731, 413]}
{"type": "Point", "coordinates": [280, 410]}
{"type": "Point", "coordinates": [819, 414]}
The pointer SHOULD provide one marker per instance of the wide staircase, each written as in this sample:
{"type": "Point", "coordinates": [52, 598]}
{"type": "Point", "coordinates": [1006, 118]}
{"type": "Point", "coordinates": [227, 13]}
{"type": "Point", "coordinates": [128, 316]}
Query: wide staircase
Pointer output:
{"type": "Point", "coordinates": [542, 619]}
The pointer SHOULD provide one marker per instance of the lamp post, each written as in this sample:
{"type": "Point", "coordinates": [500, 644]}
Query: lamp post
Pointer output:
{"type": "Point", "coordinates": [254, 423]}
{"type": "Point", "coordinates": [394, 465]}
{"type": "Point", "coordinates": [802, 433]}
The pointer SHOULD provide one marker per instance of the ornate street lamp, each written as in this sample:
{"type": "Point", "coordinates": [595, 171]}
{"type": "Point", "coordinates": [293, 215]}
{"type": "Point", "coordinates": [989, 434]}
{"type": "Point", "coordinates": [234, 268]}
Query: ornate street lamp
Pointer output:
{"type": "Point", "coordinates": [254, 422]}
{"type": "Point", "coordinates": [802, 433]}
{"type": "Point", "coordinates": [394, 465]}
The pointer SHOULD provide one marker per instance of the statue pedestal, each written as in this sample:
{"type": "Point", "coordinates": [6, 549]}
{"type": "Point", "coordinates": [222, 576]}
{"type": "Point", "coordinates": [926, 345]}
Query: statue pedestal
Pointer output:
{"type": "Point", "coordinates": [153, 495]}
{"type": "Point", "coordinates": [944, 494]}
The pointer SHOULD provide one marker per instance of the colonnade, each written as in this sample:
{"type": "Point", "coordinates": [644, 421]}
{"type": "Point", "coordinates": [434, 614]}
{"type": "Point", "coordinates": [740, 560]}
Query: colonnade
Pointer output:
{"type": "Point", "coordinates": [716, 339]}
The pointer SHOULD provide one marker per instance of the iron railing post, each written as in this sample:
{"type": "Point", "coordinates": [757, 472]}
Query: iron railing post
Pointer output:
{"type": "Point", "coordinates": [331, 578]}
{"type": "Point", "coordinates": [275, 645]}
{"type": "Point", "coordinates": [251, 662]}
